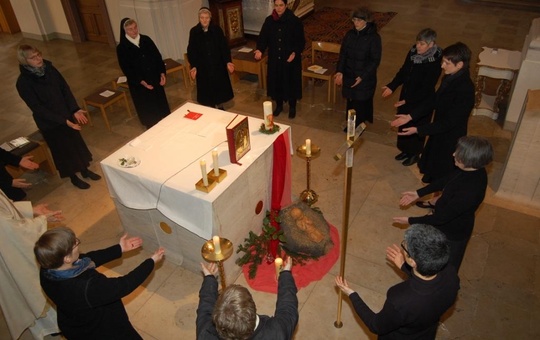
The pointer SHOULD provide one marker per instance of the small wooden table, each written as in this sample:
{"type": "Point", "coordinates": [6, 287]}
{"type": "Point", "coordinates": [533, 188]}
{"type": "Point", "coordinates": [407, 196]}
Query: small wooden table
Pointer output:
{"type": "Point", "coordinates": [41, 155]}
{"type": "Point", "coordinates": [102, 102]}
{"type": "Point", "coordinates": [245, 62]}
{"type": "Point", "coordinates": [173, 66]}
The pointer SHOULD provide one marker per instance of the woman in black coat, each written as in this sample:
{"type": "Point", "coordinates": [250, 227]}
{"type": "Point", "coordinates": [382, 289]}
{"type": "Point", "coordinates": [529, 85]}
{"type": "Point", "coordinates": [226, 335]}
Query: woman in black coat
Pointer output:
{"type": "Point", "coordinates": [141, 62]}
{"type": "Point", "coordinates": [417, 78]}
{"type": "Point", "coordinates": [56, 113]}
{"type": "Point", "coordinates": [88, 303]}
{"type": "Point", "coordinates": [210, 59]}
{"type": "Point", "coordinates": [453, 104]}
{"type": "Point", "coordinates": [463, 190]}
{"type": "Point", "coordinates": [359, 57]}
{"type": "Point", "coordinates": [283, 35]}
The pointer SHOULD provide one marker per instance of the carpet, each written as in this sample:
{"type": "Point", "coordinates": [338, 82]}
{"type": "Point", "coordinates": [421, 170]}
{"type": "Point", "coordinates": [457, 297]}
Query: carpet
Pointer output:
{"type": "Point", "coordinates": [313, 270]}
{"type": "Point", "coordinates": [330, 24]}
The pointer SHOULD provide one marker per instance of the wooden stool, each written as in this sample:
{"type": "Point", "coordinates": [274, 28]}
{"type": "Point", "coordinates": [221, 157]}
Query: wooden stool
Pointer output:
{"type": "Point", "coordinates": [102, 102]}
{"type": "Point", "coordinates": [173, 66]}
{"type": "Point", "coordinates": [37, 148]}
{"type": "Point", "coordinates": [116, 84]}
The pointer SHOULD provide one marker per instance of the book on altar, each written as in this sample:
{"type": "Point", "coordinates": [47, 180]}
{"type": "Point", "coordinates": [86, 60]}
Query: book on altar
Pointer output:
{"type": "Point", "coordinates": [238, 138]}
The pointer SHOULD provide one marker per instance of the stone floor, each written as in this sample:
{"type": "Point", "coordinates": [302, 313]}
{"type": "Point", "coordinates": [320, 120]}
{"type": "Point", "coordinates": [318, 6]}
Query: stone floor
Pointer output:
{"type": "Point", "coordinates": [500, 285]}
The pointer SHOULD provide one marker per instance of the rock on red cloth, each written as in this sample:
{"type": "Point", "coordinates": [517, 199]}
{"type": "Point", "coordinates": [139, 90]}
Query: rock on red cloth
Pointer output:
{"type": "Point", "coordinates": [314, 270]}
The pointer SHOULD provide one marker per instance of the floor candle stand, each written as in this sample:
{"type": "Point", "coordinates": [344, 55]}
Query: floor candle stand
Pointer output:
{"type": "Point", "coordinates": [209, 254]}
{"type": "Point", "coordinates": [308, 196]}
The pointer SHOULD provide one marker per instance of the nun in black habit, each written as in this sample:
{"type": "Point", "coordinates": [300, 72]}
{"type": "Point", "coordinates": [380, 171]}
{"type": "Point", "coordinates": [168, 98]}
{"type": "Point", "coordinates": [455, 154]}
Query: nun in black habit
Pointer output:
{"type": "Point", "coordinates": [141, 62]}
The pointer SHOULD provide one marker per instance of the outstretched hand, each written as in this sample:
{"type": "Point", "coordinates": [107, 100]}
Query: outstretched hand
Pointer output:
{"type": "Point", "coordinates": [408, 197]}
{"type": "Point", "coordinates": [158, 254]}
{"type": "Point", "coordinates": [401, 120]}
{"type": "Point", "coordinates": [131, 243]}
{"type": "Point", "coordinates": [287, 265]}
{"type": "Point", "coordinates": [394, 254]}
{"type": "Point", "coordinates": [343, 285]}
{"type": "Point", "coordinates": [209, 268]}
{"type": "Point", "coordinates": [27, 163]}
{"type": "Point", "coordinates": [52, 215]}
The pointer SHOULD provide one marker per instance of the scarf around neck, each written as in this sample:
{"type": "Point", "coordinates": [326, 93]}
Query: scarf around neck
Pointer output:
{"type": "Point", "coordinates": [38, 71]}
{"type": "Point", "coordinates": [430, 56]}
{"type": "Point", "coordinates": [79, 267]}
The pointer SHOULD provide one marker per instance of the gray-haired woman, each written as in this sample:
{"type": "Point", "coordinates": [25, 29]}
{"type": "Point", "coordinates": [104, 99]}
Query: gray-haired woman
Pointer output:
{"type": "Point", "coordinates": [463, 191]}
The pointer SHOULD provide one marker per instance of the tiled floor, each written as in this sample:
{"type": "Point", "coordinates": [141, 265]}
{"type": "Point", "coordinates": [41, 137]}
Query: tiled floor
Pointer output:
{"type": "Point", "coordinates": [499, 298]}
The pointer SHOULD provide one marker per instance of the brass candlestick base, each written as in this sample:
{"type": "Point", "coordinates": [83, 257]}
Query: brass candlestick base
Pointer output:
{"type": "Point", "coordinates": [207, 252]}
{"type": "Point", "coordinates": [221, 177]}
{"type": "Point", "coordinates": [308, 196]}
{"type": "Point", "coordinates": [201, 187]}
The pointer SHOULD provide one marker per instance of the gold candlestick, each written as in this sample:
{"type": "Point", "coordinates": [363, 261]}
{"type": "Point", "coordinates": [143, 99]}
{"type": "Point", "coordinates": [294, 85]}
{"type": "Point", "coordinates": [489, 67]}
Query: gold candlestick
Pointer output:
{"type": "Point", "coordinates": [308, 196]}
{"type": "Point", "coordinates": [207, 252]}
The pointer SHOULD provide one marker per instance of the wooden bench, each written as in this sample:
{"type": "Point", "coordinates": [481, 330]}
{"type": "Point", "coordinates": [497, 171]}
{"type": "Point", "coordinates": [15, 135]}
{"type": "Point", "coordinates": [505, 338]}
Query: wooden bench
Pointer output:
{"type": "Point", "coordinates": [99, 101]}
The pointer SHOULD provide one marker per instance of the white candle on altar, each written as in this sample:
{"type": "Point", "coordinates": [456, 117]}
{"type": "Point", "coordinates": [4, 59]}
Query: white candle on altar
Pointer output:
{"type": "Point", "coordinates": [216, 162]}
{"type": "Point", "coordinates": [308, 147]}
{"type": "Point", "coordinates": [267, 112]}
{"type": "Point", "coordinates": [204, 173]}
{"type": "Point", "coordinates": [278, 262]}
{"type": "Point", "coordinates": [217, 245]}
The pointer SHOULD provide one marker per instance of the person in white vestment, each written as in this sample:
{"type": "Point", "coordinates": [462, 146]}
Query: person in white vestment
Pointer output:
{"type": "Point", "coordinates": [23, 303]}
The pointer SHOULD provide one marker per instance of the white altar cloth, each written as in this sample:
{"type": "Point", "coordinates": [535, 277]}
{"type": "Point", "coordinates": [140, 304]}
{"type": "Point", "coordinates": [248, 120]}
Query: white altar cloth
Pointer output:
{"type": "Point", "coordinates": [170, 153]}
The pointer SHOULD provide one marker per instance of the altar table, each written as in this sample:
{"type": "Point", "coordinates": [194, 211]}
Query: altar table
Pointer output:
{"type": "Point", "coordinates": [162, 187]}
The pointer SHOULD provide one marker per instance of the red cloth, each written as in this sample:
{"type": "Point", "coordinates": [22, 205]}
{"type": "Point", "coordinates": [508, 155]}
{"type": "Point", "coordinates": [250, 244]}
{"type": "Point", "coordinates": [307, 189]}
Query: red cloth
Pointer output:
{"type": "Point", "coordinates": [314, 270]}
{"type": "Point", "coordinates": [281, 172]}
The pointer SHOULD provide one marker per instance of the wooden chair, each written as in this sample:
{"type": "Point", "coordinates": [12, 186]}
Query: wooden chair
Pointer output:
{"type": "Point", "coordinates": [321, 47]}
{"type": "Point", "coordinates": [172, 66]}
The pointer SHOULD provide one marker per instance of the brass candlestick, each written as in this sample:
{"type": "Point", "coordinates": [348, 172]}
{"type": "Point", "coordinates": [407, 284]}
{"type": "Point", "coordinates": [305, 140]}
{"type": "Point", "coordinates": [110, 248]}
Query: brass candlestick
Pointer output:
{"type": "Point", "coordinates": [207, 252]}
{"type": "Point", "coordinates": [308, 196]}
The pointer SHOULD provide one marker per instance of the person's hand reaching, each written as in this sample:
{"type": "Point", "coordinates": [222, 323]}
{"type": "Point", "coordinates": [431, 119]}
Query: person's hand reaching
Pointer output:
{"type": "Point", "coordinates": [209, 268]}
{"type": "Point", "coordinates": [131, 243]}
{"type": "Point", "coordinates": [343, 285]}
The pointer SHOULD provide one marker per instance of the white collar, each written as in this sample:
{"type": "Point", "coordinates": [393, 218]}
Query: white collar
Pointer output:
{"type": "Point", "coordinates": [135, 41]}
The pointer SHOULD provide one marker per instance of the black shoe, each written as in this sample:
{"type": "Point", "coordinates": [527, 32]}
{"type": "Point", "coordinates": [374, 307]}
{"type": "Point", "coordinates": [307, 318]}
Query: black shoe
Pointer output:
{"type": "Point", "coordinates": [426, 179]}
{"type": "Point", "coordinates": [79, 183]}
{"type": "Point", "coordinates": [410, 161]}
{"type": "Point", "coordinates": [278, 110]}
{"type": "Point", "coordinates": [424, 204]}
{"type": "Point", "coordinates": [292, 112]}
{"type": "Point", "coordinates": [89, 174]}
{"type": "Point", "coordinates": [401, 156]}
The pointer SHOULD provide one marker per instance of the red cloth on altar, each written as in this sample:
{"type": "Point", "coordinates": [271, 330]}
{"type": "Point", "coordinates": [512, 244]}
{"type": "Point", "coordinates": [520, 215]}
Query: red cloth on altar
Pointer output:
{"type": "Point", "coordinates": [281, 172]}
{"type": "Point", "coordinates": [314, 270]}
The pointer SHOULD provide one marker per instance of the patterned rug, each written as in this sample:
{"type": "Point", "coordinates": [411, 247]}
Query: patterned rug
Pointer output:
{"type": "Point", "coordinates": [330, 24]}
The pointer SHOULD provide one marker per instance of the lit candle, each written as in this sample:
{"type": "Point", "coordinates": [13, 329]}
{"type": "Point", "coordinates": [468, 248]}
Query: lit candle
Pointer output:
{"type": "Point", "coordinates": [203, 172]}
{"type": "Point", "coordinates": [216, 162]}
{"type": "Point", "coordinates": [267, 110]}
{"type": "Point", "coordinates": [308, 147]}
{"type": "Point", "coordinates": [278, 262]}
{"type": "Point", "coordinates": [217, 245]}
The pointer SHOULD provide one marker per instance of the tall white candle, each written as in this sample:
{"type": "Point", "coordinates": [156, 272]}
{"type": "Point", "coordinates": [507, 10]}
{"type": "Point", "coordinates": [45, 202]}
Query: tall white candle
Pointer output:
{"type": "Point", "coordinates": [308, 147]}
{"type": "Point", "coordinates": [278, 262]}
{"type": "Point", "coordinates": [217, 245]}
{"type": "Point", "coordinates": [267, 112]}
{"type": "Point", "coordinates": [204, 173]}
{"type": "Point", "coordinates": [216, 162]}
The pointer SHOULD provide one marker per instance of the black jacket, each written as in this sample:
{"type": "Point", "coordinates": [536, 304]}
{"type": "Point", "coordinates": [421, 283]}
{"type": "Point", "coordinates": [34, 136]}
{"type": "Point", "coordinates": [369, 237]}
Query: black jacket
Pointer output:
{"type": "Point", "coordinates": [89, 305]}
{"type": "Point", "coordinates": [360, 55]}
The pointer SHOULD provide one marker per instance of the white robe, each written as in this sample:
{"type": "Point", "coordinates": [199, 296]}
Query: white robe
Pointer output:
{"type": "Point", "coordinates": [21, 298]}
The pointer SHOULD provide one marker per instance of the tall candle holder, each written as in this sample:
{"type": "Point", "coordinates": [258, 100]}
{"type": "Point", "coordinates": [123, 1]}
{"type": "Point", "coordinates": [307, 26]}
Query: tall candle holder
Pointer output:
{"type": "Point", "coordinates": [208, 253]}
{"type": "Point", "coordinates": [308, 196]}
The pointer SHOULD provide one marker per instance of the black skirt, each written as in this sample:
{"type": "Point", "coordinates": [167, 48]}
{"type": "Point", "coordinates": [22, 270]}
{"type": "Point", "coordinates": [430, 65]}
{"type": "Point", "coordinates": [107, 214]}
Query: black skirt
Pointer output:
{"type": "Point", "coordinates": [69, 151]}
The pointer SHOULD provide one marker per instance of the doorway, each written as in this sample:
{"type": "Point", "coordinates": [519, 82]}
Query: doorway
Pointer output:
{"type": "Point", "coordinates": [88, 20]}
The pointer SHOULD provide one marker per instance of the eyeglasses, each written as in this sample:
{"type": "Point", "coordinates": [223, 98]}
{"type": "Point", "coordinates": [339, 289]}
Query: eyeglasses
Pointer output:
{"type": "Point", "coordinates": [357, 19]}
{"type": "Point", "coordinates": [403, 246]}
{"type": "Point", "coordinates": [35, 56]}
{"type": "Point", "coordinates": [77, 242]}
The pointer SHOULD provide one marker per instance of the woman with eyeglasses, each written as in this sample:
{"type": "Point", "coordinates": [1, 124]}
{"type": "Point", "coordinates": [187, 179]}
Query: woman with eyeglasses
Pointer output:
{"type": "Point", "coordinates": [413, 307]}
{"type": "Point", "coordinates": [356, 71]}
{"type": "Point", "coordinates": [56, 113]}
{"type": "Point", "coordinates": [463, 190]}
{"type": "Point", "coordinates": [88, 303]}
